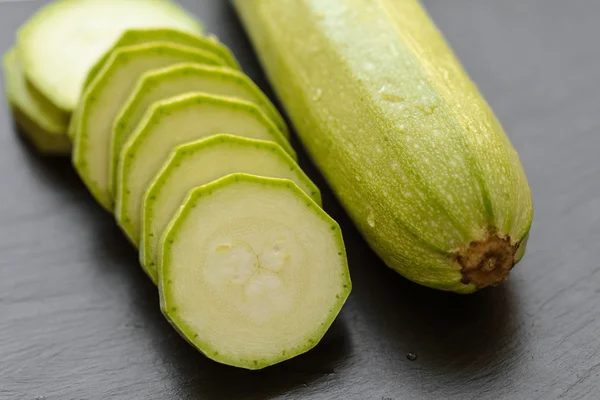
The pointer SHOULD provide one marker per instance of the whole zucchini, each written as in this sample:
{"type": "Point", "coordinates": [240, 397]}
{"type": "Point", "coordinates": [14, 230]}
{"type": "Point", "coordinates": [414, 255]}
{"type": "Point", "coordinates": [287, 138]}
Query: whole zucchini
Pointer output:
{"type": "Point", "coordinates": [401, 133]}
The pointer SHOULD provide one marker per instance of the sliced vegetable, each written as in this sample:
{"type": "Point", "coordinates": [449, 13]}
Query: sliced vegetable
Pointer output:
{"type": "Point", "coordinates": [104, 99]}
{"type": "Point", "coordinates": [140, 36]}
{"type": "Point", "coordinates": [180, 79]}
{"type": "Point", "coordinates": [202, 162]}
{"type": "Point", "coordinates": [174, 122]}
{"type": "Point", "coordinates": [254, 272]}
{"type": "Point", "coordinates": [401, 133]}
{"type": "Point", "coordinates": [44, 126]}
{"type": "Point", "coordinates": [60, 43]}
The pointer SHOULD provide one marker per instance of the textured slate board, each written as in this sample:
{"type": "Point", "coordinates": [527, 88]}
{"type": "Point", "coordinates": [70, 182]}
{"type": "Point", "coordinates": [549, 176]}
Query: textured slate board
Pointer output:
{"type": "Point", "coordinates": [79, 320]}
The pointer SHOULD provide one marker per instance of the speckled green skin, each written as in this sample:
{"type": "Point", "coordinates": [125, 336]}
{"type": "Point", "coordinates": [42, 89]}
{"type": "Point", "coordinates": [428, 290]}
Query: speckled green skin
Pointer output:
{"type": "Point", "coordinates": [57, 70]}
{"type": "Point", "coordinates": [188, 164]}
{"type": "Point", "coordinates": [102, 102]}
{"type": "Point", "coordinates": [195, 199]}
{"type": "Point", "coordinates": [44, 126]}
{"type": "Point", "coordinates": [171, 81]}
{"type": "Point", "coordinates": [397, 128]}
{"type": "Point", "coordinates": [140, 36]}
{"type": "Point", "coordinates": [139, 165]}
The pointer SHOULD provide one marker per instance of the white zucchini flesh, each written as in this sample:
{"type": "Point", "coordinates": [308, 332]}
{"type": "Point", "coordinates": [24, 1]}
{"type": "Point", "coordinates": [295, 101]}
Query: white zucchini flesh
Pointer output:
{"type": "Point", "coordinates": [179, 79]}
{"type": "Point", "coordinates": [174, 122]}
{"type": "Point", "coordinates": [134, 37]}
{"type": "Point", "coordinates": [104, 99]}
{"type": "Point", "coordinates": [44, 126]}
{"type": "Point", "coordinates": [61, 42]}
{"type": "Point", "coordinates": [202, 162]}
{"type": "Point", "coordinates": [254, 272]}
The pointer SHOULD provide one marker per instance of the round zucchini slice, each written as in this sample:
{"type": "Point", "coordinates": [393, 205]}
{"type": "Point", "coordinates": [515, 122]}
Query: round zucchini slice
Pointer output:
{"type": "Point", "coordinates": [254, 272]}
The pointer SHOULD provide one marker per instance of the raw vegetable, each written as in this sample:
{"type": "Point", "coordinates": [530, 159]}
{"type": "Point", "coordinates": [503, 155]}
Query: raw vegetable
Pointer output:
{"type": "Point", "coordinates": [173, 122]}
{"type": "Point", "coordinates": [180, 79]}
{"type": "Point", "coordinates": [104, 99]}
{"type": "Point", "coordinates": [202, 162]}
{"type": "Point", "coordinates": [140, 36]}
{"type": "Point", "coordinates": [254, 272]}
{"type": "Point", "coordinates": [61, 42]}
{"type": "Point", "coordinates": [44, 126]}
{"type": "Point", "coordinates": [401, 133]}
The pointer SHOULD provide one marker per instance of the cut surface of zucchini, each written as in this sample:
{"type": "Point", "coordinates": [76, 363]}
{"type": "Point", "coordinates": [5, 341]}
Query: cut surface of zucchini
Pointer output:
{"type": "Point", "coordinates": [200, 163]}
{"type": "Point", "coordinates": [254, 272]}
{"type": "Point", "coordinates": [45, 127]}
{"type": "Point", "coordinates": [104, 99]}
{"type": "Point", "coordinates": [134, 37]}
{"type": "Point", "coordinates": [61, 42]}
{"type": "Point", "coordinates": [174, 122]}
{"type": "Point", "coordinates": [179, 79]}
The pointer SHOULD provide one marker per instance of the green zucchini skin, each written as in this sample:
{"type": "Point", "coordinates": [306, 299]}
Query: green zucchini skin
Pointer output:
{"type": "Point", "coordinates": [400, 132]}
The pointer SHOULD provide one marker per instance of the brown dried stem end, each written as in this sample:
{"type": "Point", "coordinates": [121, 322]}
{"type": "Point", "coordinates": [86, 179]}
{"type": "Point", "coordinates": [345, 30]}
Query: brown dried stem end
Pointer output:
{"type": "Point", "coordinates": [487, 262]}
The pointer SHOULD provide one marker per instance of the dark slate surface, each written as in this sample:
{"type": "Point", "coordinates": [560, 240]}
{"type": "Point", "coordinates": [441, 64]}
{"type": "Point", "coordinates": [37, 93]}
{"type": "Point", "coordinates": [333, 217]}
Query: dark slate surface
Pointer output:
{"type": "Point", "coordinates": [79, 320]}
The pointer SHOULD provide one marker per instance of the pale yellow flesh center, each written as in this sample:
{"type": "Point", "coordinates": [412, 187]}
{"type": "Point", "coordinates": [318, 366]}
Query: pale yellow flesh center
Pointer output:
{"type": "Point", "coordinates": [256, 276]}
{"type": "Point", "coordinates": [254, 272]}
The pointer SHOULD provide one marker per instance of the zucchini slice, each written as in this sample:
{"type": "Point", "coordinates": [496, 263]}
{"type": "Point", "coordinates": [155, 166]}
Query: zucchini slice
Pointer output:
{"type": "Point", "coordinates": [60, 43]}
{"type": "Point", "coordinates": [254, 272]}
{"type": "Point", "coordinates": [43, 125]}
{"type": "Point", "coordinates": [104, 99]}
{"type": "Point", "coordinates": [133, 37]}
{"type": "Point", "coordinates": [202, 162]}
{"type": "Point", "coordinates": [179, 79]}
{"type": "Point", "coordinates": [174, 122]}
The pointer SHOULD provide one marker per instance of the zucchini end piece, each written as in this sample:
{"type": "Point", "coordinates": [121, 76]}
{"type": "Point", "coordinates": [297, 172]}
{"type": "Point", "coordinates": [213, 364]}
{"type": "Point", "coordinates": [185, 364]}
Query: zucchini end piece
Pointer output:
{"type": "Point", "coordinates": [487, 262]}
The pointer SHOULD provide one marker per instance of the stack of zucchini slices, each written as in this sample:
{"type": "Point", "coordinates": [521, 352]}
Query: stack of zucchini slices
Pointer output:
{"type": "Point", "coordinates": [194, 161]}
